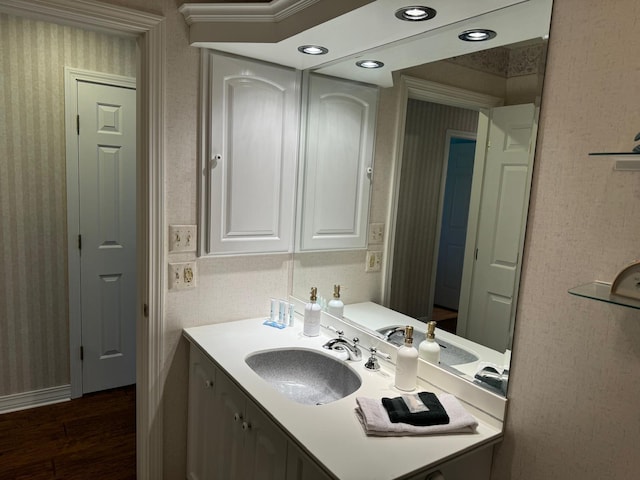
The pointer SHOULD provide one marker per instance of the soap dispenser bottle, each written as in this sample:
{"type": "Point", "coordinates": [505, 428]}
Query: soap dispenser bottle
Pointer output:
{"type": "Point", "coordinates": [311, 326]}
{"type": "Point", "coordinates": [429, 349]}
{"type": "Point", "coordinates": [407, 363]}
{"type": "Point", "coordinates": [336, 307]}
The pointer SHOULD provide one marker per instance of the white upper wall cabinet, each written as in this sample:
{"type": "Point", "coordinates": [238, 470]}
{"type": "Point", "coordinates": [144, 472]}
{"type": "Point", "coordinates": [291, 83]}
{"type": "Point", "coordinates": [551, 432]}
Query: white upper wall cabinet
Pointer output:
{"type": "Point", "coordinates": [249, 154]}
{"type": "Point", "coordinates": [337, 163]}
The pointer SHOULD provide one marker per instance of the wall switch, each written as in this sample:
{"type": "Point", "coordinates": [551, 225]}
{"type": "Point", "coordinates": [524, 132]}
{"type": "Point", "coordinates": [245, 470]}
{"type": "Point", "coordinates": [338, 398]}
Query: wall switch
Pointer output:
{"type": "Point", "coordinates": [182, 275]}
{"type": "Point", "coordinates": [376, 232]}
{"type": "Point", "coordinates": [373, 262]}
{"type": "Point", "coordinates": [182, 238]}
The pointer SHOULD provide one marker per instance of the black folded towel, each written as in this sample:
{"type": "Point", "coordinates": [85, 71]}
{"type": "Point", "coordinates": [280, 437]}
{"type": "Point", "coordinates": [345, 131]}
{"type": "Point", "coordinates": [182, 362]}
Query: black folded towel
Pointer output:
{"type": "Point", "coordinates": [398, 411]}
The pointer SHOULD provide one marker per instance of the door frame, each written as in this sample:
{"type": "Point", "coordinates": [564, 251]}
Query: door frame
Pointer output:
{"type": "Point", "coordinates": [425, 90]}
{"type": "Point", "coordinates": [150, 32]}
{"type": "Point", "coordinates": [71, 78]}
{"type": "Point", "coordinates": [450, 133]}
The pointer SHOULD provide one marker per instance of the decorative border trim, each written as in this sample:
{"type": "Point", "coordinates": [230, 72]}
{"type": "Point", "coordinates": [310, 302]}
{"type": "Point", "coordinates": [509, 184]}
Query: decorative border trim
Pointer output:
{"type": "Point", "coordinates": [35, 398]}
{"type": "Point", "coordinates": [150, 31]}
{"type": "Point", "coordinates": [272, 12]}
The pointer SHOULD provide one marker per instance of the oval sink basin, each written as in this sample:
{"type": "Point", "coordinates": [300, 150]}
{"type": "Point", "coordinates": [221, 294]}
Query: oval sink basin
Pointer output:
{"type": "Point", "coordinates": [449, 354]}
{"type": "Point", "coordinates": [305, 376]}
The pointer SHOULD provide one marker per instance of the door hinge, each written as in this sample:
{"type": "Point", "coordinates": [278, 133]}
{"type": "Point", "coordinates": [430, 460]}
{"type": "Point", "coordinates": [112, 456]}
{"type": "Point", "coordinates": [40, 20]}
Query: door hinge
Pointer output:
{"type": "Point", "coordinates": [145, 310]}
{"type": "Point", "coordinates": [79, 242]}
{"type": "Point", "coordinates": [78, 124]}
{"type": "Point", "coordinates": [81, 353]}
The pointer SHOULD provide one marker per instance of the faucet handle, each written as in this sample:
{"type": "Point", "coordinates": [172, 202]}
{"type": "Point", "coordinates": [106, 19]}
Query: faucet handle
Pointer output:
{"type": "Point", "coordinates": [372, 363]}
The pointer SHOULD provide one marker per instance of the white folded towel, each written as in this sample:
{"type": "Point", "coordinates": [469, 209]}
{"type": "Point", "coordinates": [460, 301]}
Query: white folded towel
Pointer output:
{"type": "Point", "coordinates": [375, 420]}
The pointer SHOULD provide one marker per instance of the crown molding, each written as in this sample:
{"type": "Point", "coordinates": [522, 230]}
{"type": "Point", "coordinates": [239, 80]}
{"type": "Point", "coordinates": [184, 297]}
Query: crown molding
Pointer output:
{"type": "Point", "coordinates": [272, 12]}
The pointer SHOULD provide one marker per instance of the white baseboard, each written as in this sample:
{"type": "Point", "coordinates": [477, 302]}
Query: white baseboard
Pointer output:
{"type": "Point", "coordinates": [35, 398]}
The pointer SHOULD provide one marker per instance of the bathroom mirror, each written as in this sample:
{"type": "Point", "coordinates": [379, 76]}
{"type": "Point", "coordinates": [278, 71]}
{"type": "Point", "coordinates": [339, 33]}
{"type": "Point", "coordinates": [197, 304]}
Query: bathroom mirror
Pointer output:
{"type": "Point", "coordinates": [430, 172]}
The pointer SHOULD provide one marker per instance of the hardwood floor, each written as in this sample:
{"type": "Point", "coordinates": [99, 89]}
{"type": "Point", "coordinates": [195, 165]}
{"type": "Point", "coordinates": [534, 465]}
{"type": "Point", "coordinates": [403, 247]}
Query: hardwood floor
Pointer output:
{"type": "Point", "coordinates": [93, 437]}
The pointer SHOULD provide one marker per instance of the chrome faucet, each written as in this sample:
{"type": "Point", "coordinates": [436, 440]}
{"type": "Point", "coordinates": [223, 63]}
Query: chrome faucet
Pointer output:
{"type": "Point", "coordinates": [342, 344]}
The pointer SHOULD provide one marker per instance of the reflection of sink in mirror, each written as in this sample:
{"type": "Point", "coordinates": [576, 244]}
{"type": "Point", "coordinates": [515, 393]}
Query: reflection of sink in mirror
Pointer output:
{"type": "Point", "coordinates": [305, 376]}
{"type": "Point", "coordinates": [450, 354]}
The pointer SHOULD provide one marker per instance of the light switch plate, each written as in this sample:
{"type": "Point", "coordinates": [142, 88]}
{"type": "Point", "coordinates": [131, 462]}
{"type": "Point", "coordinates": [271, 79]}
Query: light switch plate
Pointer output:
{"type": "Point", "coordinates": [376, 233]}
{"type": "Point", "coordinates": [182, 238]}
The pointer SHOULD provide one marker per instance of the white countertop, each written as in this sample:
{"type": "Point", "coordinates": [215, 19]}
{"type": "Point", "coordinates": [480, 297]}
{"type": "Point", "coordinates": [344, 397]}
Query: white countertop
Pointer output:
{"type": "Point", "coordinates": [331, 433]}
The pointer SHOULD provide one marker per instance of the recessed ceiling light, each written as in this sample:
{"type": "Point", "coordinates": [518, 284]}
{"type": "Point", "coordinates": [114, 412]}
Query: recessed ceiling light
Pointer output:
{"type": "Point", "coordinates": [416, 13]}
{"type": "Point", "coordinates": [370, 64]}
{"type": "Point", "coordinates": [477, 35]}
{"type": "Point", "coordinates": [313, 49]}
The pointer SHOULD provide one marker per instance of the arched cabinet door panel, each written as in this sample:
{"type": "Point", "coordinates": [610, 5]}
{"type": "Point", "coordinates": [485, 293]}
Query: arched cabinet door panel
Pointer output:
{"type": "Point", "coordinates": [250, 151]}
{"type": "Point", "coordinates": [336, 164]}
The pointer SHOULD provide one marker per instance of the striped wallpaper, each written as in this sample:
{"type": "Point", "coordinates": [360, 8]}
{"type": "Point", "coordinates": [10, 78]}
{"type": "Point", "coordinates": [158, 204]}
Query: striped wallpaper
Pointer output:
{"type": "Point", "coordinates": [419, 195]}
{"type": "Point", "coordinates": [34, 336]}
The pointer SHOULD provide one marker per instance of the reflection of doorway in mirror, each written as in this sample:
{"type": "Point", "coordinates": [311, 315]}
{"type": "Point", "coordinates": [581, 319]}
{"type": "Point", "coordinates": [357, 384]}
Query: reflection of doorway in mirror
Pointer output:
{"type": "Point", "coordinates": [454, 214]}
{"type": "Point", "coordinates": [420, 196]}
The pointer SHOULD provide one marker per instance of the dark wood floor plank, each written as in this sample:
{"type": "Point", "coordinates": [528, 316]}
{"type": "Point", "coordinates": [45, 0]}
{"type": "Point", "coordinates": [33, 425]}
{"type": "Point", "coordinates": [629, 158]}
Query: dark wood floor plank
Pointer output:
{"type": "Point", "coordinates": [92, 437]}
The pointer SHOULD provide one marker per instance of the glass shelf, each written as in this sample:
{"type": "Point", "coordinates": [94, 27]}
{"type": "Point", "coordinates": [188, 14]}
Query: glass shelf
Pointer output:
{"type": "Point", "coordinates": [602, 291]}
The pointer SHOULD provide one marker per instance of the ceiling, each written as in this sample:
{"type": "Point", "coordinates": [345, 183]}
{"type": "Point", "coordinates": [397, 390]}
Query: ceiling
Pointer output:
{"type": "Point", "coordinates": [360, 29]}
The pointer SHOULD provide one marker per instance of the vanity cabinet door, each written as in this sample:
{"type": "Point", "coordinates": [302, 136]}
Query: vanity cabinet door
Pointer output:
{"type": "Point", "coordinates": [249, 174]}
{"type": "Point", "coordinates": [228, 449]}
{"type": "Point", "coordinates": [336, 164]}
{"type": "Point", "coordinates": [265, 446]}
{"type": "Point", "coordinates": [301, 467]}
{"type": "Point", "coordinates": [475, 465]}
{"type": "Point", "coordinates": [202, 418]}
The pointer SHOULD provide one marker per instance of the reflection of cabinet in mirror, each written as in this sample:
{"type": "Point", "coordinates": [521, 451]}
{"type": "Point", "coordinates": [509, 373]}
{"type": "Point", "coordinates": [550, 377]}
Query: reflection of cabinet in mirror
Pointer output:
{"type": "Point", "coordinates": [336, 164]}
{"type": "Point", "coordinates": [248, 155]}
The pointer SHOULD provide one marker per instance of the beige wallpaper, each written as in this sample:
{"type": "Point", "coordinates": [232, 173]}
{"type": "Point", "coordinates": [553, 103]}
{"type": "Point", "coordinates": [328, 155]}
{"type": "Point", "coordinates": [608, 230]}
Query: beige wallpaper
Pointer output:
{"type": "Point", "coordinates": [34, 337]}
{"type": "Point", "coordinates": [575, 385]}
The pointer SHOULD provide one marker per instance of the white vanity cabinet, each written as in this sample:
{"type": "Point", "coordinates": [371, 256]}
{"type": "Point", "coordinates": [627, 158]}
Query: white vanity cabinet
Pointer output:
{"type": "Point", "coordinates": [249, 151]}
{"type": "Point", "coordinates": [230, 438]}
{"type": "Point", "coordinates": [241, 428]}
{"type": "Point", "coordinates": [336, 164]}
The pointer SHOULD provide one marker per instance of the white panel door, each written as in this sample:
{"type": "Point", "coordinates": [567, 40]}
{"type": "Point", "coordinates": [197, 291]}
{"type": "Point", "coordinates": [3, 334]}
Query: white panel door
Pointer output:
{"type": "Point", "coordinates": [107, 186]}
{"type": "Point", "coordinates": [501, 225]}
{"type": "Point", "coordinates": [338, 153]}
{"type": "Point", "coordinates": [253, 147]}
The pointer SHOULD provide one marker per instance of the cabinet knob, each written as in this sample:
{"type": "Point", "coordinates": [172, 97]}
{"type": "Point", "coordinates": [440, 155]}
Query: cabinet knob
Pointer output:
{"type": "Point", "coordinates": [208, 383]}
{"type": "Point", "coordinates": [236, 417]}
{"type": "Point", "coordinates": [246, 426]}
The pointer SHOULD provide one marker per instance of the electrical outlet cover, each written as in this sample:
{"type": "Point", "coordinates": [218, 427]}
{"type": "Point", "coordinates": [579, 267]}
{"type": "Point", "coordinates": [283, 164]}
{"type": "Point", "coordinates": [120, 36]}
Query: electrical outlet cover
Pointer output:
{"type": "Point", "coordinates": [373, 261]}
{"type": "Point", "coordinates": [182, 275]}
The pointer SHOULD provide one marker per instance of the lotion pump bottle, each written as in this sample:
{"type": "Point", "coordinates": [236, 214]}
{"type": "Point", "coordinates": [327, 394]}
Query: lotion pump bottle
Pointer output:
{"type": "Point", "coordinates": [335, 306]}
{"type": "Point", "coordinates": [429, 349]}
{"type": "Point", "coordinates": [407, 363]}
{"type": "Point", "coordinates": [311, 326]}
